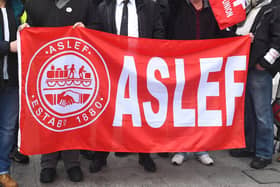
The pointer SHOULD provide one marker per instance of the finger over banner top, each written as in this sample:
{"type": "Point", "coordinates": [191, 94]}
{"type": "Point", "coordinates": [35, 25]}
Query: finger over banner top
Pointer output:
{"type": "Point", "coordinates": [84, 89]}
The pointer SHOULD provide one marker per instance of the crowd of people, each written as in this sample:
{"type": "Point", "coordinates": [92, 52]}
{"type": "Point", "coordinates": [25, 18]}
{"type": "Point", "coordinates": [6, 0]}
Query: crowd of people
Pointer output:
{"type": "Point", "coordinates": [158, 19]}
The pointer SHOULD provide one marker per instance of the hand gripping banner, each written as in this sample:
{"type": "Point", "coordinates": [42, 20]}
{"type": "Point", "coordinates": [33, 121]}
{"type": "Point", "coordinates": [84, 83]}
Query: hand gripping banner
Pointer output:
{"type": "Point", "coordinates": [84, 89]}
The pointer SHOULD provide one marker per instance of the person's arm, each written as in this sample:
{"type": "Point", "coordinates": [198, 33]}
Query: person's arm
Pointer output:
{"type": "Point", "coordinates": [7, 47]}
{"type": "Point", "coordinates": [273, 53]}
{"type": "Point", "coordinates": [4, 48]}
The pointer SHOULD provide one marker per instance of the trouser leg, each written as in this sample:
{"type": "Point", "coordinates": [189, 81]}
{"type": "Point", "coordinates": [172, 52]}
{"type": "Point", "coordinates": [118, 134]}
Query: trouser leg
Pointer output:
{"type": "Point", "coordinates": [49, 160]}
{"type": "Point", "coordinates": [71, 158]}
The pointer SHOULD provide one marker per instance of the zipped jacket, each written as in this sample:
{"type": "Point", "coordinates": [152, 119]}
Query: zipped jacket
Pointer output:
{"type": "Point", "coordinates": [265, 49]}
{"type": "Point", "coordinates": [14, 11]}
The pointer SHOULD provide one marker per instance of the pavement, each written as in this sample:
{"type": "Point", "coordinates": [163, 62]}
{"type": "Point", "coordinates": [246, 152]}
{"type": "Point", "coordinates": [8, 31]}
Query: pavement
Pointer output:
{"type": "Point", "coordinates": [227, 171]}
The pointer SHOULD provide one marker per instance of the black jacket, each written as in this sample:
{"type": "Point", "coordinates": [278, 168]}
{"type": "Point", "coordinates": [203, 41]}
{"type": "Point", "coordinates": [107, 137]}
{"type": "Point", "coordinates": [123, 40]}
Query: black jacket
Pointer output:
{"type": "Point", "coordinates": [266, 29]}
{"type": "Point", "coordinates": [164, 12]}
{"type": "Point", "coordinates": [149, 19]}
{"type": "Point", "coordinates": [42, 13]}
{"type": "Point", "coordinates": [13, 11]}
{"type": "Point", "coordinates": [182, 22]}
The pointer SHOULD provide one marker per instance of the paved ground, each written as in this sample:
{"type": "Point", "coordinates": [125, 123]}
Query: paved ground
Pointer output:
{"type": "Point", "coordinates": [227, 171]}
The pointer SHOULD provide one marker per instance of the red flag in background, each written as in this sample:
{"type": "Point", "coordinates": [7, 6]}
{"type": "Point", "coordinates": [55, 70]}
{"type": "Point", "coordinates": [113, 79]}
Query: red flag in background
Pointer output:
{"type": "Point", "coordinates": [228, 12]}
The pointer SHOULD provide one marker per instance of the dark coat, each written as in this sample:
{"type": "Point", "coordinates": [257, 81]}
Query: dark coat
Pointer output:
{"type": "Point", "coordinates": [183, 24]}
{"type": "Point", "coordinates": [14, 11]}
{"type": "Point", "coordinates": [266, 29]}
{"type": "Point", "coordinates": [42, 13]}
{"type": "Point", "coordinates": [164, 12]}
{"type": "Point", "coordinates": [149, 19]}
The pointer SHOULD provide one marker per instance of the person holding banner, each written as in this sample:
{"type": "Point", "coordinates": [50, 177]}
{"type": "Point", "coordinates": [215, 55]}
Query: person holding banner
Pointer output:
{"type": "Point", "coordinates": [9, 21]}
{"type": "Point", "coordinates": [263, 22]}
{"type": "Point", "coordinates": [56, 13]}
{"type": "Point", "coordinates": [135, 18]}
{"type": "Point", "coordinates": [193, 20]}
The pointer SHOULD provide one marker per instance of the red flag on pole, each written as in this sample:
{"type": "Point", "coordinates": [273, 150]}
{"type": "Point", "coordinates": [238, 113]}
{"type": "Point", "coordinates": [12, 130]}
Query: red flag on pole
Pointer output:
{"type": "Point", "coordinates": [228, 12]}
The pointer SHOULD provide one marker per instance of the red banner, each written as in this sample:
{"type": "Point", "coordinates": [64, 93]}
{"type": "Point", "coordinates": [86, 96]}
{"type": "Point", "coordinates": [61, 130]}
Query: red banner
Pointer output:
{"type": "Point", "coordinates": [84, 89]}
{"type": "Point", "coordinates": [228, 12]}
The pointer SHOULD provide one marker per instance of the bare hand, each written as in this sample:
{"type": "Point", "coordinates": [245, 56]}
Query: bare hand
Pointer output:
{"type": "Point", "coordinates": [13, 46]}
{"type": "Point", "coordinates": [78, 24]}
{"type": "Point", "coordinates": [259, 67]}
{"type": "Point", "coordinates": [252, 36]}
{"type": "Point", "coordinates": [21, 27]}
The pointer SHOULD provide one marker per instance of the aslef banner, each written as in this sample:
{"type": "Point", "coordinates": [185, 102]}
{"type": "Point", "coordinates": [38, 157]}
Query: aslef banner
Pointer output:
{"type": "Point", "coordinates": [228, 12]}
{"type": "Point", "coordinates": [84, 89]}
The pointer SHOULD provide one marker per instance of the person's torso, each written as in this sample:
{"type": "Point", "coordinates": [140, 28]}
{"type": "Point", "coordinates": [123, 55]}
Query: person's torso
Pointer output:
{"type": "Point", "coordinates": [46, 13]}
{"type": "Point", "coordinates": [188, 23]}
{"type": "Point", "coordinates": [107, 12]}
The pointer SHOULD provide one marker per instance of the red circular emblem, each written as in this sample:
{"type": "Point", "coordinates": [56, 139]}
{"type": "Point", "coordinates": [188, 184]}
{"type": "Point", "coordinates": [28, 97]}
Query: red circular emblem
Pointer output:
{"type": "Point", "coordinates": [68, 84]}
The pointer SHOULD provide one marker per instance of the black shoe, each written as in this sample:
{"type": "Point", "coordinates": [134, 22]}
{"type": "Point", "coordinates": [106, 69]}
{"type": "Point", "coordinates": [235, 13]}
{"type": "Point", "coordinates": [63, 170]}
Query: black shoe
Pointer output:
{"type": "Point", "coordinates": [19, 158]}
{"type": "Point", "coordinates": [241, 153]}
{"type": "Point", "coordinates": [47, 175]}
{"type": "Point", "coordinates": [75, 174]}
{"type": "Point", "coordinates": [260, 163]}
{"type": "Point", "coordinates": [89, 155]}
{"type": "Point", "coordinates": [122, 154]}
{"type": "Point", "coordinates": [148, 164]}
{"type": "Point", "coordinates": [163, 155]}
{"type": "Point", "coordinates": [97, 165]}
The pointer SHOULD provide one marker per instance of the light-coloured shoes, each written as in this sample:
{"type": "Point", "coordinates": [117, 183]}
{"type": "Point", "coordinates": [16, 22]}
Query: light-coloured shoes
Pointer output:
{"type": "Point", "coordinates": [178, 159]}
{"type": "Point", "coordinates": [7, 181]}
{"type": "Point", "coordinates": [206, 159]}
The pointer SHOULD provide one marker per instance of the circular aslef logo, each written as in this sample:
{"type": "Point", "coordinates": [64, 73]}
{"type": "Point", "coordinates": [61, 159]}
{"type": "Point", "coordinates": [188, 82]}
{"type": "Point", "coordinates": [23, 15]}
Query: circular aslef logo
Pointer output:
{"type": "Point", "coordinates": [68, 85]}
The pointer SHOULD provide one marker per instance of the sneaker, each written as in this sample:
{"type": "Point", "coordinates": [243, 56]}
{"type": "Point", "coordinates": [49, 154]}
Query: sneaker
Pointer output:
{"type": "Point", "coordinates": [206, 159]}
{"type": "Point", "coordinates": [75, 174]}
{"type": "Point", "coordinates": [260, 163]}
{"type": "Point", "coordinates": [47, 175]}
{"type": "Point", "coordinates": [178, 159]}
{"type": "Point", "coordinates": [7, 181]}
{"type": "Point", "coordinates": [19, 158]}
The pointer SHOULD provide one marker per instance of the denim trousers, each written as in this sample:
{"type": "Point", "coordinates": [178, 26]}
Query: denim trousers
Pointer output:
{"type": "Point", "coordinates": [258, 114]}
{"type": "Point", "coordinates": [9, 108]}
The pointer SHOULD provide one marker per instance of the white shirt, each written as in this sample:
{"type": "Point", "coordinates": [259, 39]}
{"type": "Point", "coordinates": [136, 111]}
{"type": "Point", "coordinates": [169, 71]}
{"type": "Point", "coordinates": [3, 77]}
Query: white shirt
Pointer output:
{"type": "Point", "coordinates": [246, 27]}
{"type": "Point", "coordinates": [6, 38]}
{"type": "Point", "coordinates": [132, 17]}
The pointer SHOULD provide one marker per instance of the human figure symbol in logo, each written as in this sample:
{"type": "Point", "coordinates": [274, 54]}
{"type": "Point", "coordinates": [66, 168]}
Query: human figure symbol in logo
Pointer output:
{"type": "Point", "coordinates": [72, 71]}
{"type": "Point", "coordinates": [81, 72]}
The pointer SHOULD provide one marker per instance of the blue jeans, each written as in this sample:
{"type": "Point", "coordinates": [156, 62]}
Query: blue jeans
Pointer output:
{"type": "Point", "coordinates": [258, 114]}
{"type": "Point", "coordinates": [8, 118]}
